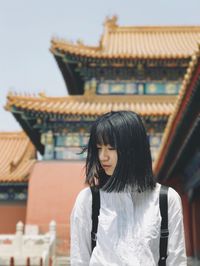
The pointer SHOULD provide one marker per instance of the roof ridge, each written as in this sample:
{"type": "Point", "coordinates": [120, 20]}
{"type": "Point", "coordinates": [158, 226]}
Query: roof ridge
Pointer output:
{"type": "Point", "coordinates": [61, 41]}
{"type": "Point", "coordinates": [21, 156]}
{"type": "Point", "coordinates": [12, 134]}
{"type": "Point", "coordinates": [18, 156]}
{"type": "Point", "coordinates": [158, 27]}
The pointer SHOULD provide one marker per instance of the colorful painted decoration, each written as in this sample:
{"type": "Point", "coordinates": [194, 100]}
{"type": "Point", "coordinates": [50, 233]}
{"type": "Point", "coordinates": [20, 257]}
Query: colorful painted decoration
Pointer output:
{"type": "Point", "coordinates": [162, 88]}
{"type": "Point", "coordinates": [128, 87]}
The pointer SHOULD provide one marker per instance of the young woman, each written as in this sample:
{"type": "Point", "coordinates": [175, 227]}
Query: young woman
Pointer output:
{"type": "Point", "coordinates": [119, 166]}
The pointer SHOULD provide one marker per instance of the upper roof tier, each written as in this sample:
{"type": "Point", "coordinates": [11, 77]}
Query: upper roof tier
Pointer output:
{"type": "Point", "coordinates": [17, 158]}
{"type": "Point", "coordinates": [148, 42]}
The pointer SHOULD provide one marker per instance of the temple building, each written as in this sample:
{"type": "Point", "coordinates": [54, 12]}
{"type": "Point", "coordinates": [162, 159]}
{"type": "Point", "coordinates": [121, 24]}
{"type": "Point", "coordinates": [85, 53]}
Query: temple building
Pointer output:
{"type": "Point", "coordinates": [133, 68]}
{"type": "Point", "coordinates": [178, 161]}
{"type": "Point", "coordinates": [17, 158]}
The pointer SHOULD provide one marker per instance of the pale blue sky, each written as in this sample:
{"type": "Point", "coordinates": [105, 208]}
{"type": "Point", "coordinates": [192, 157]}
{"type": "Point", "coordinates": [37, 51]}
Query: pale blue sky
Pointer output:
{"type": "Point", "coordinates": [26, 28]}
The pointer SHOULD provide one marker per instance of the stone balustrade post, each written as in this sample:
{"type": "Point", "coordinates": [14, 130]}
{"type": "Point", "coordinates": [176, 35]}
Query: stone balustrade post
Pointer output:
{"type": "Point", "coordinates": [52, 233]}
{"type": "Point", "coordinates": [52, 228]}
{"type": "Point", "coordinates": [18, 240]}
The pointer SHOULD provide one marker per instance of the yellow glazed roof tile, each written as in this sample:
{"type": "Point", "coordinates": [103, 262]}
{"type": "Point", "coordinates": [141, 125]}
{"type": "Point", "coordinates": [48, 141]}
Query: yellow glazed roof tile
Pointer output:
{"type": "Point", "coordinates": [169, 130]}
{"type": "Point", "coordinates": [94, 105]}
{"type": "Point", "coordinates": [17, 158]}
{"type": "Point", "coordinates": [137, 42]}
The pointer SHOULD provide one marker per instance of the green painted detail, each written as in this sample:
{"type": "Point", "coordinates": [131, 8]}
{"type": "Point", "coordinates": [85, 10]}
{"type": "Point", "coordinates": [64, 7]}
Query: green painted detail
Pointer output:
{"type": "Point", "coordinates": [72, 140]}
{"type": "Point", "coordinates": [71, 153]}
{"type": "Point", "coordinates": [67, 143]}
{"type": "Point", "coordinates": [15, 193]}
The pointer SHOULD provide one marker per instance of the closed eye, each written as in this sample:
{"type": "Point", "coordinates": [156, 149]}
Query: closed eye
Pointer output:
{"type": "Point", "coordinates": [108, 147]}
{"type": "Point", "coordinates": [98, 148]}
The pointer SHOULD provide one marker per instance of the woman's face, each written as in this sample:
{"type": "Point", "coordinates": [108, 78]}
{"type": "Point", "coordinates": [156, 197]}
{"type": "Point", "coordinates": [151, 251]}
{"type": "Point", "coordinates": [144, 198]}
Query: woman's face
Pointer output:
{"type": "Point", "coordinates": [107, 157]}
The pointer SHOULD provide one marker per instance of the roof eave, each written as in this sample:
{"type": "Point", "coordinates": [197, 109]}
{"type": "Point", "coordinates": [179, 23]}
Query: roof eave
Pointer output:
{"type": "Point", "coordinates": [169, 154]}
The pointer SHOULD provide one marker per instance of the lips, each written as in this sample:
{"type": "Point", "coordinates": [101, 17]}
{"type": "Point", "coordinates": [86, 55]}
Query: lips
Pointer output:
{"type": "Point", "coordinates": [106, 166]}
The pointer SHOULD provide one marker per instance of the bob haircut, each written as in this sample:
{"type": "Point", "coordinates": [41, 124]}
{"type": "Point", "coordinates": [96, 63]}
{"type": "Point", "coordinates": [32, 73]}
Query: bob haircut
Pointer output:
{"type": "Point", "coordinates": [125, 132]}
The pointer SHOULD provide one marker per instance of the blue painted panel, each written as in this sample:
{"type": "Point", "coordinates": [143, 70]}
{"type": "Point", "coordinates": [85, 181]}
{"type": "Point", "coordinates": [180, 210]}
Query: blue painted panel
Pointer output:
{"type": "Point", "coordinates": [128, 87]}
{"type": "Point", "coordinates": [162, 88]}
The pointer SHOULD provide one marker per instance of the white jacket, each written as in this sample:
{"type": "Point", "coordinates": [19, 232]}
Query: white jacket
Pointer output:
{"type": "Point", "coordinates": [128, 230]}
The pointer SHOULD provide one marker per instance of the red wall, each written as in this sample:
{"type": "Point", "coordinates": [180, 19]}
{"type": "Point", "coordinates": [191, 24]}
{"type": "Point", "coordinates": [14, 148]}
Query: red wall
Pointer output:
{"type": "Point", "coordinates": [11, 214]}
{"type": "Point", "coordinates": [53, 187]}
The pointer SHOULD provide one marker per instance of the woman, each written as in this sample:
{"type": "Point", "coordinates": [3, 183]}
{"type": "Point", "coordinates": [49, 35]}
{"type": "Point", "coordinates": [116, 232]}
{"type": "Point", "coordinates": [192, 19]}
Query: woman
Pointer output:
{"type": "Point", "coordinates": [119, 165]}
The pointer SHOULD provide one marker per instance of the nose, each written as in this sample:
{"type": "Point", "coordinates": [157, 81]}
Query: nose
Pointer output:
{"type": "Point", "coordinates": [103, 154]}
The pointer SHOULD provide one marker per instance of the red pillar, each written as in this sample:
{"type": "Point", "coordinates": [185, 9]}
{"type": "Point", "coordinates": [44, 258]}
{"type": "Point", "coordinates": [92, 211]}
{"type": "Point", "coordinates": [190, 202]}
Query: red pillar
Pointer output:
{"type": "Point", "coordinates": [176, 183]}
{"type": "Point", "coordinates": [187, 219]}
{"type": "Point", "coordinates": [195, 226]}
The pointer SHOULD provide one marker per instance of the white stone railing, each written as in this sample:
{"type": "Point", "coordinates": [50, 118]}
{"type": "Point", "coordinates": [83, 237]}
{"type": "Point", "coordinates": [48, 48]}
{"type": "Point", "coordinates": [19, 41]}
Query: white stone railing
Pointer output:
{"type": "Point", "coordinates": [21, 246]}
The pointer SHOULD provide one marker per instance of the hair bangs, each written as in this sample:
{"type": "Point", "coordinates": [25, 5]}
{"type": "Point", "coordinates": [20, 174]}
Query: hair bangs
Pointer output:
{"type": "Point", "coordinates": [105, 134]}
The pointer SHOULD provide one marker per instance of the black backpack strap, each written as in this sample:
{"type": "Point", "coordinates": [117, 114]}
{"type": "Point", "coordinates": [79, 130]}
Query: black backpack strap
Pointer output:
{"type": "Point", "coordinates": [95, 214]}
{"type": "Point", "coordinates": [163, 202]}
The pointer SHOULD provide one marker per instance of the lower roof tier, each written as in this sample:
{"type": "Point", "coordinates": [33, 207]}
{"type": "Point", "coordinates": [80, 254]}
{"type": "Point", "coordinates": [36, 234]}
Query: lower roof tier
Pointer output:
{"type": "Point", "coordinates": [17, 158]}
{"type": "Point", "coordinates": [93, 105]}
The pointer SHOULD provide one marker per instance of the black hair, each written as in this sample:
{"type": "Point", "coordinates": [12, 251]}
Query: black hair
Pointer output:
{"type": "Point", "coordinates": [124, 131]}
